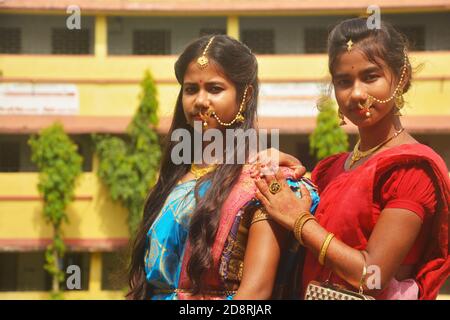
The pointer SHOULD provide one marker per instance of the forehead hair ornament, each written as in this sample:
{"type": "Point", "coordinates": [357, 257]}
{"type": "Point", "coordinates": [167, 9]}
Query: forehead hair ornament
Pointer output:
{"type": "Point", "coordinates": [349, 45]}
{"type": "Point", "coordinates": [203, 60]}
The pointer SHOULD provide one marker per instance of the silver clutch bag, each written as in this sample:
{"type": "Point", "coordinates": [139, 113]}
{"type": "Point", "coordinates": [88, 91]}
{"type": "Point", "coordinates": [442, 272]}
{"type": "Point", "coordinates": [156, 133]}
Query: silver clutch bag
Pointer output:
{"type": "Point", "coordinates": [327, 291]}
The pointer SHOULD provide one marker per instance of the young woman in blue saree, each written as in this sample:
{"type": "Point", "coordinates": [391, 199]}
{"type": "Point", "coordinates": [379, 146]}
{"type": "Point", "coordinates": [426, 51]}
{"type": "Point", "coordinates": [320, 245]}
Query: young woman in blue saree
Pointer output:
{"type": "Point", "coordinates": [203, 233]}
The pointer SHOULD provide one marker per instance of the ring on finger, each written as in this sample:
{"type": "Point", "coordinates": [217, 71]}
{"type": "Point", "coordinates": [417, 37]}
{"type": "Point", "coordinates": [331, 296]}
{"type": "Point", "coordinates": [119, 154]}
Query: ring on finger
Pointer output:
{"type": "Point", "coordinates": [274, 187]}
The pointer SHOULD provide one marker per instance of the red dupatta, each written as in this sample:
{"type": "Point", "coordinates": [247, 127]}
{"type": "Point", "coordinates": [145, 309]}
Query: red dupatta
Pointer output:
{"type": "Point", "coordinates": [346, 210]}
{"type": "Point", "coordinates": [241, 193]}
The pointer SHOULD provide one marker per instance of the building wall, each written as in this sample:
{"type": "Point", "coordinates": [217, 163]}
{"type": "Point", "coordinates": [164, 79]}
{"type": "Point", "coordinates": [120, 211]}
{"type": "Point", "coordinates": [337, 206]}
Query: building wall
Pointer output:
{"type": "Point", "coordinates": [289, 31]}
{"type": "Point", "coordinates": [36, 30]}
{"type": "Point", "coordinates": [182, 30]}
{"type": "Point", "coordinates": [437, 27]}
{"type": "Point", "coordinates": [92, 215]}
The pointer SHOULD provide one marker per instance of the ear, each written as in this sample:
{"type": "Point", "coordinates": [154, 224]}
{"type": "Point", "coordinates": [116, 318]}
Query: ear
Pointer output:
{"type": "Point", "coordinates": [250, 91]}
{"type": "Point", "coordinates": [407, 75]}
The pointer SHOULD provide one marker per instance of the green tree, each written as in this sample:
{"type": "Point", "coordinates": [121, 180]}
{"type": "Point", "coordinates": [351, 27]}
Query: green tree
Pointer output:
{"type": "Point", "coordinates": [328, 137]}
{"type": "Point", "coordinates": [59, 166]}
{"type": "Point", "coordinates": [128, 167]}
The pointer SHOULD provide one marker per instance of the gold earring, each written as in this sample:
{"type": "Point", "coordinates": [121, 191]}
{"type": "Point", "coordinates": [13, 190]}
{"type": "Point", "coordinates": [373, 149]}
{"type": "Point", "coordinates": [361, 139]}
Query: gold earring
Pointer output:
{"type": "Point", "coordinates": [240, 116]}
{"type": "Point", "coordinates": [399, 103]}
{"type": "Point", "coordinates": [341, 116]}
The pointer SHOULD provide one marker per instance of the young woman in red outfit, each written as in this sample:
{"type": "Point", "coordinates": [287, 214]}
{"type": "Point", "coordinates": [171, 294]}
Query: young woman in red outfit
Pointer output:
{"type": "Point", "coordinates": [384, 207]}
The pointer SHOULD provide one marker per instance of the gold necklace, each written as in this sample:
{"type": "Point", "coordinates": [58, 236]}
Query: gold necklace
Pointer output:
{"type": "Point", "coordinates": [199, 172]}
{"type": "Point", "coordinates": [358, 155]}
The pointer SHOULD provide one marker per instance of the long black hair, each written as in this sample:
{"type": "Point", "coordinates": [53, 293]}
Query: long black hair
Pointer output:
{"type": "Point", "coordinates": [240, 66]}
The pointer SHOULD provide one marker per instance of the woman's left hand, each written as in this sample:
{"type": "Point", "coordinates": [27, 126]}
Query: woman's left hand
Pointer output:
{"type": "Point", "coordinates": [283, 206]}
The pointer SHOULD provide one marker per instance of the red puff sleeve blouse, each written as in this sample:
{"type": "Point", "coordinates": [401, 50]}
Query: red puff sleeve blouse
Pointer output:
{"type": "Point", "coordinates": [409, 187]}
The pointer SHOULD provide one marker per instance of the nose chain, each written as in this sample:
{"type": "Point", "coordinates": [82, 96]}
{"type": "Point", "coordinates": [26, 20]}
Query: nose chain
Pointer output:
{"type": "Point", "coordinates": [398, 91]}
{"type": "Point", "coordinates": [239, 117]}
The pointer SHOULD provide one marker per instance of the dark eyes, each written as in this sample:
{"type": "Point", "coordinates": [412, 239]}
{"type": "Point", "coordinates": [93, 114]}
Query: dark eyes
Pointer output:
{"type": "Point", "coordinates": [194, 89]}
{"type": "Point", "coordinates": [215, 89]}
{"type": "Point", "coordinates": [190, 90]}
{"type": "Point", "coordinates": [342, 82]}
{"type": "Point", "coordinates": [372, 77]}
{"type": "Point", "coordinates": [347, 82]}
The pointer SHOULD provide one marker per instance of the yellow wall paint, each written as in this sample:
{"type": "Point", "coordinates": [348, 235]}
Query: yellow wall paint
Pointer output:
{"type": "Point", "coordinates": [98, 218]}
{"type": "Point", "coordinates": [95, 272]}
{"type": "Point", "coordinates": [86, 67]}
{"type": "Point", "coordinates": [122, 100]}
{"type": "Point", "coordinates": [131, 68]}
{"type": "Point", "coordinates": [120, 97]}
{"type": "Point", "coordinates": [233, 27]}
{"type": "Point", "coordinates": [101, 37]}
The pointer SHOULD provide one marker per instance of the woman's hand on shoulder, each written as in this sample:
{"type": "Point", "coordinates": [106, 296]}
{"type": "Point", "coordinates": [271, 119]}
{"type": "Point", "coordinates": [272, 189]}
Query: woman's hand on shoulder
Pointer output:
{"type": "Point", "coordinates": [273, 158]}
{"type": "Point", "coordinates": [283, 206]}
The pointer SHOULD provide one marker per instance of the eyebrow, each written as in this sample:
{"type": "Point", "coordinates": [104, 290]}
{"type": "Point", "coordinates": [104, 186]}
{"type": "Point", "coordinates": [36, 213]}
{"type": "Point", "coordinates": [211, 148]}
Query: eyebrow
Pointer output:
{"type": "Point", "coordinates": [208, 83]}
{"type": "Point", "coordinates": [371, 69]}
{"type": "Point", "coordinates": [365, 71]}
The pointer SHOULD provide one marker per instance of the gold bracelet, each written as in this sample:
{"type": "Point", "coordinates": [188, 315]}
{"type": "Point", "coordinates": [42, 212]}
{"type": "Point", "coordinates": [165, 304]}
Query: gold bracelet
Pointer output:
{"type": "Point", "coordinates": [324, 249]}
{"type": "Point", "coordinates": [298, 221]}
{"type": "Point", "coordinates": [304, 221]}
{"type": "Point", "coordinates": [363, 276]}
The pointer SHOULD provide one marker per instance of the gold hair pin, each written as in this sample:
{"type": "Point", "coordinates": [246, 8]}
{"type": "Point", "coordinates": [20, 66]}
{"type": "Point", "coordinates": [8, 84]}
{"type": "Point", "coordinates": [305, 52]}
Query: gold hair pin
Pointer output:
{"type": "Point", "coordinates": [203, 60]}
{"type": "Point", "coordinates": [349, 45]}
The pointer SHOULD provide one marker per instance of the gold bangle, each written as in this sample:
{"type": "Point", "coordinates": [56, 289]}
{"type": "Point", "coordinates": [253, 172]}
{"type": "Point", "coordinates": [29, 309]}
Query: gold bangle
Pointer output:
{"type": "Point", "coordinates": [363, 276]}
{"type": "Point", "coordinates": [298, 222]}
{"type": "Point", "coordinates": [324, 248]}
{"type": "Point", "coordinates": [301, 228]}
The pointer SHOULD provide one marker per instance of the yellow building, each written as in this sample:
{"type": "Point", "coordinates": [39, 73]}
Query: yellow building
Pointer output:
{"type": "Point", "coordinates": [88, 79]}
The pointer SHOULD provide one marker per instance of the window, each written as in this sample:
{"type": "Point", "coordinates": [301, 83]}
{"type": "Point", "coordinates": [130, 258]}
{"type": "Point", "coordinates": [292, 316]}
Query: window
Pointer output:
{"type": "Point", "coordinates": [82, 260]}
{"type": "Point", "coordinates": [85, 148]}
{"type": "Point", "coordinates": [211, 31]}
{"type": "Point", "coordinates": [65, 41]}
{"type": "Point", "coordinates": [24, 271]}
{"type": "Point", "coordinates": [151, 42]}
{"type": "Point", "coordinates": [9, 156]}
{"type": "Point", "coordinates": [316, 40]}
{"type": "Point", "coordinates": [15, 153]}
{"type": "Point", "coordinates": [259, 41]}
{"type": "Point", "coordinates": [415, 35]}
{"type": "Point", "coordinates": [113, 271]}
{"type": "Point", "coordinates": [10, 40]}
